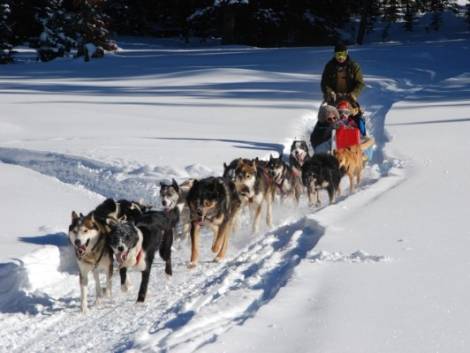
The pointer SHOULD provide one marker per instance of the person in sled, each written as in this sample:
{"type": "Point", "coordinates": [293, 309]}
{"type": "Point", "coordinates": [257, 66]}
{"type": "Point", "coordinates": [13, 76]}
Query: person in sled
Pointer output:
{"type": "Point", "coordinates": [351, 117]}
{"type": "Point", "coordinates": [341, 78]}
{"type": "Point", "coordinates": [327, 120]}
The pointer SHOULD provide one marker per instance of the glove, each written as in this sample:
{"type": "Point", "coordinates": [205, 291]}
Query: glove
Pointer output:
{"type": "Point", "coordinates": [332, 97]}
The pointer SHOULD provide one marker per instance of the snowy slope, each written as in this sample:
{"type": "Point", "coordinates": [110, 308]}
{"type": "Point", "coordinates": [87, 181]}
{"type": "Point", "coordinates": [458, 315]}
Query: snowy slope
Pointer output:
{"type": "Point", "coordinates": [382, 270]}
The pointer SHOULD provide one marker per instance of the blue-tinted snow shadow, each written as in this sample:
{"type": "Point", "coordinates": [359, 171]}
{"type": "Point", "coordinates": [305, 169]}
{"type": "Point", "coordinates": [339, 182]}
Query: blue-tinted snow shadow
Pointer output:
{"type": "Point", "coordinates": [243, 144]}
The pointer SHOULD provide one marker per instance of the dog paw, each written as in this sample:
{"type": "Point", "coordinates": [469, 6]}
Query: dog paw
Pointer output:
{"type": "Point", "coordinates": [218, 259]}
{"type": "Point", "coordinates": [84, 311]}
{"type": "Point", "coordinates": [192, 265]}
{"type": "Point", "coordinates": [124, 288]}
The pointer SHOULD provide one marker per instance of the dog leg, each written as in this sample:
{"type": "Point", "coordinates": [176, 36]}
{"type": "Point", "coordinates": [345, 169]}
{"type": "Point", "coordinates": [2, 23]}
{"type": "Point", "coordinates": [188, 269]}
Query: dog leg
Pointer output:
{"type": "Point", "coordinates": [99, 292]}
{"type": "Point", "coordinates": [109, 275]}
{"type": "Point", "coordinates": [216, 242]}
{"type": "Point", "coordinates": [256, 217]}
{"type": "Point", "coordinates": [331, 194]}
{"type": "Point", "coordinates": [195, 230]}
{"type": "Point", "coordinates": [125, 283]}
{"type": "Point", "coordinates": [269, 209]}
{"type": "Point", "coordinates": [318, 203]}
{"type": "Point", "coordinates": [224, 232]}
{"type": "Point", "coordinates": [145, 277]}
{"type": "Point", "coordinates": [165, 251]}
{"type": "Point", "coordinates": [83, 292]}
{"type": "Point", "coordinates": [352, 187]}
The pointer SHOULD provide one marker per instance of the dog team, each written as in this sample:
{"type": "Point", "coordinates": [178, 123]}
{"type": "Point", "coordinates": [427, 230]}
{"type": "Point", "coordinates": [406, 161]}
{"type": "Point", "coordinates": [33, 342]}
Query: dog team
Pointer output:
{"type": "Point", "coordinates": [131, 233]}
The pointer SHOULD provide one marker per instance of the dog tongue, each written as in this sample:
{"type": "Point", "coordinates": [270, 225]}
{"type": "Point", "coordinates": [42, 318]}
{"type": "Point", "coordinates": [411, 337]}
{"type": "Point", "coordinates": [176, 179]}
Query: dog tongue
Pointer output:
{"type": "Point", "coordinates": [121, 257]}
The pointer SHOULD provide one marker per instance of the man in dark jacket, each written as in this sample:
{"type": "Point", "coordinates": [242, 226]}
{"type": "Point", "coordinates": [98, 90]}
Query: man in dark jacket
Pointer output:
{"type": "Point", "coordinates": [341, 77]}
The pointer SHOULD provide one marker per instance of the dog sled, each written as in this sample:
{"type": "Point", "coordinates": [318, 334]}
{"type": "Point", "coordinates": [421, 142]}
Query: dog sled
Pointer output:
{"type": "Point", "coordinates": [346, 136]}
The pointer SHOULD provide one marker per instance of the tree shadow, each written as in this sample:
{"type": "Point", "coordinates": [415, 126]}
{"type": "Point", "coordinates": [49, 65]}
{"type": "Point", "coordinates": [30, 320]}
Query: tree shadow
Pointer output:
{"type": "Point", "coordinates": [243, 144]}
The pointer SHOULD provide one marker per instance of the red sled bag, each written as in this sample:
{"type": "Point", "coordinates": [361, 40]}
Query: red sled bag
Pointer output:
{"type": "Point", "coordinates": [347, 137]}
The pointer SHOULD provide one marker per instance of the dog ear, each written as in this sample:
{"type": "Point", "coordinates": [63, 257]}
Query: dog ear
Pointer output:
{"type": "Point", "coordinates": [175, 185]}
{"type": "Point", "coordinates": [112, 221]}
{"type": "Point", "coordinates": [162, 184]}
{"type": "Point", "coordinates": [270, 157]}
{"type": "Point", "coordinates": [74, 215]}
{"type": "Point", "coordinates": [81, 215]}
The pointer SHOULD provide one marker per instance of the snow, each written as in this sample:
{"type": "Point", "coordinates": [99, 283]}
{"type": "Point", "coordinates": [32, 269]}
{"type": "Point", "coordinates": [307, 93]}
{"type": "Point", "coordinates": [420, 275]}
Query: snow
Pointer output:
{"type": "Point", "coordinates": [382, 270]}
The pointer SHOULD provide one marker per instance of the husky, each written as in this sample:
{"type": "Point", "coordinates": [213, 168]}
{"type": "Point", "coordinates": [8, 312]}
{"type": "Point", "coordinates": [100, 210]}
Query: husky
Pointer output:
{"type": "Point", "coordinates": [286, 181]}
{"type": "Point", "coordinates": [213, 202]}
{"type": "Point", "coordinates": [174, 195]}
{"type": "Point", "coordinates": [255, 189]}
{"type": "Point", "coordinates": [322, 171]}
{"type": "Point", "coordinates": [87, 234]}
{"type": "Point", "coordinates": [230, 169]}
{"type": "Point", "coordinates": [298, 155]}
{"type": "Point", "coordinates": [134, 244]}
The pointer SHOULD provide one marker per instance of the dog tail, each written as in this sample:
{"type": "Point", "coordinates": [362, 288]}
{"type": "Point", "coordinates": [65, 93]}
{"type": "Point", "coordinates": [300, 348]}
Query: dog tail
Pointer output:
{"type": "Point", "coordinates": [368, 142]}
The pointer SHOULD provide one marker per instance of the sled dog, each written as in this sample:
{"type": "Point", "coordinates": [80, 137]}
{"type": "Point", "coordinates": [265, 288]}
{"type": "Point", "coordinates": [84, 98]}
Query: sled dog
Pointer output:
{"type": "Point", "coordinates": [134, 245]}
{"type": "Point", "coordinates": [213, 202]}
{"type": "Point", "coordinates": [87, 234]}
{"type": "Point", "coordinates": [255, 189]}
{"type": "Point", "coordinates": [351, 161]}
{"type": "Point", "coordinates": [174, 195]}
{"type": "Point", "coordinates": [321, 172]}
{"type": "Point", "coordinates": [298, 155]}
{"type": "Point", "coordinates": [287, 183]}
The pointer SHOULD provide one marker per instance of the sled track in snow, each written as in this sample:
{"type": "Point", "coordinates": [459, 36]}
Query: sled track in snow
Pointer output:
{"type": "Point", "coordinates": [95, 176]}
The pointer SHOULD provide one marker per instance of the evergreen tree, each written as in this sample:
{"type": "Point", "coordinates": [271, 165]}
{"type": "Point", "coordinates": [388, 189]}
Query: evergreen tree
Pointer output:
{"type": "Point", "coordinates": [368, 10]}
{"type": "Point", "coordinates": [391, 14]}
{"type": "Point", "coordinates": [6, 33]}
{"type": "Point", "coordinates": [56, 38]}
{"type": "Point", "coordinates": [409, 14]}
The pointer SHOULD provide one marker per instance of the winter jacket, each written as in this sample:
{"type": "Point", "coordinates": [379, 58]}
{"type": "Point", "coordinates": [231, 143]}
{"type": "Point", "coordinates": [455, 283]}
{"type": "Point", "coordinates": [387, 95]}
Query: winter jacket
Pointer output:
{"type": "Point", "coordinates": [321, 134]}
{"type": "Point", "coordinates": [355, 81]}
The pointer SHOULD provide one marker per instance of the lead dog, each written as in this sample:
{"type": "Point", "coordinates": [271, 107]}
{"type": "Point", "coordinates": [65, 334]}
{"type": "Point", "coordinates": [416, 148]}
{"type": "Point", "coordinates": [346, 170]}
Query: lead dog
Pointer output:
{"type": "Point", "coordinates": [134, 245]}
{"type": "Point", "coordinates": [87, 234]}
{"type": "Point", "coordinates": [321, 172]}
{"type": "Point", "coordinates": [213, 202]}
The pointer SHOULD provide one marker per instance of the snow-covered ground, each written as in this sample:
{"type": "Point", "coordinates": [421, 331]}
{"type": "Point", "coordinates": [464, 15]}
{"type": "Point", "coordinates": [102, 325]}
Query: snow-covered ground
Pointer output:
{"type": "Point", "coordinates": [383, 270]}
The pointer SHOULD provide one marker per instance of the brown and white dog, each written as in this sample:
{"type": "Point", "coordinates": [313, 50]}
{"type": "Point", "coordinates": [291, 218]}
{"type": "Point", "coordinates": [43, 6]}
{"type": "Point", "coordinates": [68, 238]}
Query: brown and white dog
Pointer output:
{"type": "Point", "coordinates": [255, 188]}
{"type": "Point", "coordinates": [351, 160]}
{"type": "Point", "coordinates": [87, 234]}
{"type": "Point", "coordinates": [213, 202]}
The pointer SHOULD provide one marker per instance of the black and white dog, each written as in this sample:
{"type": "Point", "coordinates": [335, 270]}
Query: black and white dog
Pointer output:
{"type": "Point", "coordinates": [134, 245]}
{"type": "Point", "coordinates": [174, 196]}
{"type": "Point", "coordinates": [286, 181]}
{"type": "Point", "coordinates": [321, 172]}
{"type": "Point", "coordinates": [298, 155]}
{"type": "Point", "coordinates": [87, 234]}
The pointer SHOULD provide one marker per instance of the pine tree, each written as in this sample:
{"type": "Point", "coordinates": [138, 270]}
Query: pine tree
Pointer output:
{"type": "Point", "coordinates": [90, 24]}
{"type": "Point", "coordinates": [409, 15]}
{"type": "Point", "coordinates": [6, 33]}
{"type": "Point", "coordinates": [368, 11]}
{"type": "Point", "coordinates": [56, 38]}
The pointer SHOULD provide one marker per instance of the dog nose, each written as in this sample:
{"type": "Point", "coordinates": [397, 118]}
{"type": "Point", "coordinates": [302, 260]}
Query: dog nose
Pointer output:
{"type": "Point", "coordinates": [163, 202]}
{"type": "Point", "coordinates": [199, 212]}
{"type": "Point", "coordinates": [120, 248]}
{"type": "Point", "coordinates": [77, 242]}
